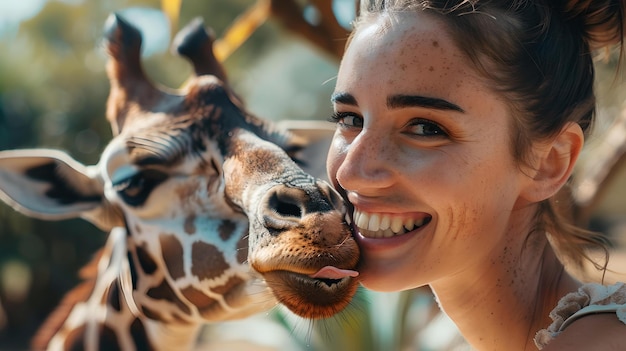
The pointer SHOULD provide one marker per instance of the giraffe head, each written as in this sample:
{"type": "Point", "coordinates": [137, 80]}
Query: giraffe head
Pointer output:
{"type": "Point", "coordinates": [205, 190]}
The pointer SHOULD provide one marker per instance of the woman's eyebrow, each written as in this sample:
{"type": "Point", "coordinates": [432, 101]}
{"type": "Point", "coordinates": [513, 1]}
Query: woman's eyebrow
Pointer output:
{"type": "Point", "coordinates": [343, 98]}
{"type": "Point", "coordinates": [399, 101]}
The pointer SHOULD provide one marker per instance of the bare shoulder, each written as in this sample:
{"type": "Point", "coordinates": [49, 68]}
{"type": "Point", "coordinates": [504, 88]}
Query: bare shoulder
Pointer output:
{"type": "Point", "coordinates": [598, 332]}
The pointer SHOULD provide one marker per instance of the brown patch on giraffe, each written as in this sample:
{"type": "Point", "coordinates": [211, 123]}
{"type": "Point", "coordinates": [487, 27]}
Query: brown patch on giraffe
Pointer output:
{"type": "Point", "coordinates": [148, 265]}
{"type": "Point", "coordinates": [198, 298]}
{"type": "Point", "coordinates": [190, 226]}
{"type": "Point", "coordinates": [226, 229]}
{"type": "Point", "coordinates": [207, 305]}
{"type": "Point", "coordinates": [207, 261]}
{"type": "Point", "coordinates": [228, 286]}
{"type": "Point", "coordinates": [150, 313]}
{"type": "Point", "coordinates": [165, 292]}
{"type": "Point", "coordinates": [172, 252]}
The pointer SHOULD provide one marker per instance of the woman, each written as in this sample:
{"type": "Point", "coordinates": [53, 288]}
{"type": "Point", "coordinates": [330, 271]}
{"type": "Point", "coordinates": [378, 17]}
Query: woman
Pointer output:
{"type": "Point", "coordinates": [457, 123]}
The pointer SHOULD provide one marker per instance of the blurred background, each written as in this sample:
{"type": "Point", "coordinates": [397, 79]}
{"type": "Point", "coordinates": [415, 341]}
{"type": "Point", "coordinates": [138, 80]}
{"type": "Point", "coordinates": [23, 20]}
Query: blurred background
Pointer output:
{"type": "Point", "coordinates": [282, 57]}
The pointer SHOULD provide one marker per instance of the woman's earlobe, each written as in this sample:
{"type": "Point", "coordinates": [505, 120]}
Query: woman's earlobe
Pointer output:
{"type": "Point", "coordinates": [555, 163]}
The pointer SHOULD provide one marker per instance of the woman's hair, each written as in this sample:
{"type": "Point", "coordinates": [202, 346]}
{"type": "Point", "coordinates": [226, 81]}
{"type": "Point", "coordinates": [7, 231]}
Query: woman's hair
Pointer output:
{"type": "Point", "coordinates": [538, 55]}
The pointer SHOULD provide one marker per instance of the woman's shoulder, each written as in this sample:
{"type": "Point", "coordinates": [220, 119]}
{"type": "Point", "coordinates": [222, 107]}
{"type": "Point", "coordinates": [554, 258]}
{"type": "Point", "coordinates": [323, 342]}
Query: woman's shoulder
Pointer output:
{"type": "Point", "coordinates": [605, 307]}
{"type": "Point", "coordinates": [598, 332]}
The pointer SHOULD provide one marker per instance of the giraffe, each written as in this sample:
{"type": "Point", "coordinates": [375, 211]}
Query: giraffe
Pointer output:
{"type": "Point", "coordinates": [209, 216]}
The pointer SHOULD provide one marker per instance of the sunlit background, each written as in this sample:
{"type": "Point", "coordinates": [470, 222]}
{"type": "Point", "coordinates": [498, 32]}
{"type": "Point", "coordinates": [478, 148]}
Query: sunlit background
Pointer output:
{"type": "Point", "coordinates": [53, 91]}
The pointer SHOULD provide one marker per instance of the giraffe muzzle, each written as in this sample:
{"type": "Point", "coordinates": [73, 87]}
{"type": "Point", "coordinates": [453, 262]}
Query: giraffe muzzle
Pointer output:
{"type": "Point", "coordinates": [309, 255]}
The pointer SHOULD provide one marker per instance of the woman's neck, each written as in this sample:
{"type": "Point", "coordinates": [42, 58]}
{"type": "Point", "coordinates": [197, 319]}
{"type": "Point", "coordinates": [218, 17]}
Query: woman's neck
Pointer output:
{"type": "Point", "coordinates": [503, 302]}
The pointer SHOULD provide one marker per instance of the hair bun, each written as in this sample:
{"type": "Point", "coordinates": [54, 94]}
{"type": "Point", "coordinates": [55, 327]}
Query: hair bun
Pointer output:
{"type": "Point", "coordinates": [602, 21]}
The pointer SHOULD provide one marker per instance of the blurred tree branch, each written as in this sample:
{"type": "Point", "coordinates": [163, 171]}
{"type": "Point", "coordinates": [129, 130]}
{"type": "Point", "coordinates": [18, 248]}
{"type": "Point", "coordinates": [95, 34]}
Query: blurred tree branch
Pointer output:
{"type": "Point", "coordinates": [327, 34]}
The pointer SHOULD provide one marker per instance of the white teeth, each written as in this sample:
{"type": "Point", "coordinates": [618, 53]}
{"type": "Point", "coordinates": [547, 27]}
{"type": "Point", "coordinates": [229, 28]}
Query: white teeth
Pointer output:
{"type": "Point", "coordinates": [409, 224]}
{"type": "Point", "coordinates": [347, 218]}
{"type": "Point", "coordinates": [396, 224]}
{"type": "Point", "coordinates": [378, 225]}
{"type": "Point", "coordinates": [362, 220]}
{"type": "Point", "coordinates": [374, 223]}
{"type": "Point", "coordinates": [388, 233]}
{"type": "Point", "coordinates": [385, 222]}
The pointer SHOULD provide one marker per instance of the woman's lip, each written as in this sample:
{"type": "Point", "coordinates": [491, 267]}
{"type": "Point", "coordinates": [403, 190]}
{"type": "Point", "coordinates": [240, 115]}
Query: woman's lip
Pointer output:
{"type": "Point", "coordinates": [370, 206]}
{"type": "Point", "coordinates": [377, 205]}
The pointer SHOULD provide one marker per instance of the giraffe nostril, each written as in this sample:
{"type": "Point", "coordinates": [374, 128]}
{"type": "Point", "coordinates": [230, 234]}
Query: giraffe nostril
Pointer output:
{"type": "Point", "coordinates": [282, 211]}
{"type": "Point", "coordinates": [285, 205]}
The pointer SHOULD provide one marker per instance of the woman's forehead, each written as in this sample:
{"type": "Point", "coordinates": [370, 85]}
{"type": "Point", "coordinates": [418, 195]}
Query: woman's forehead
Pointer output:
{"type": "Point", "coordinates": [407, 54]}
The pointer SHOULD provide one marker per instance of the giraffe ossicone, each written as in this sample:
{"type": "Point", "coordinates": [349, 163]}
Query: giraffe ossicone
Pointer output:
{"type": "Point", "coordinates": [213, 217]}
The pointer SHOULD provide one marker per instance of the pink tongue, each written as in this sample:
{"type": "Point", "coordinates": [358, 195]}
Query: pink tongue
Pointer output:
{"type": "Point", "coordinates": [330, 272]}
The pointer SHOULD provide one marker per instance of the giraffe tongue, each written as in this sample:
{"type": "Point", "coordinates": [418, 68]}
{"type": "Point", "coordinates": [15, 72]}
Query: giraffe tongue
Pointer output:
{"type": "Point", "coordinates": [330, 272]}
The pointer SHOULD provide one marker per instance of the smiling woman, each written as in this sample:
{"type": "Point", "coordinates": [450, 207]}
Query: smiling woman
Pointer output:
{"type": "Point", "coordinates": [458, 122]}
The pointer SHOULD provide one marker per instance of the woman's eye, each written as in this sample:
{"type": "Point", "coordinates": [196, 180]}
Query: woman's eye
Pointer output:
{"type": "Point", "coordinates": [427, 128]}
{"type": "Point", "coordinates": [347, 119]}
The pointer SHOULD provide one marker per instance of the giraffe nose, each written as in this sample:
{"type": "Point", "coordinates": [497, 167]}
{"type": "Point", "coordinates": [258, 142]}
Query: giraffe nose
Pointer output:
{"type": "Point", "coordinates": [286, 207]}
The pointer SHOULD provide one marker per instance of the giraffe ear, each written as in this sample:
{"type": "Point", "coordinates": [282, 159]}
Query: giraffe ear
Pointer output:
{"type": "Point", "coordinates": [50, 185]}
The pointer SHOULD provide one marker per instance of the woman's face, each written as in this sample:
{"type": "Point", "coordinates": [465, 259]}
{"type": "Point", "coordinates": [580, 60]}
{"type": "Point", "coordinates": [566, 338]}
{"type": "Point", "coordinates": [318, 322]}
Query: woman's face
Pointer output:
{"type": "Point", "coordinates": [422, 152]}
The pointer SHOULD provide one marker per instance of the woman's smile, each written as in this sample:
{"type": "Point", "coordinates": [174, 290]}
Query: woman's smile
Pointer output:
{"type": "Point", "coordinates": [384, 234]}
{"type": "Point", "coordinates": [387, 225]}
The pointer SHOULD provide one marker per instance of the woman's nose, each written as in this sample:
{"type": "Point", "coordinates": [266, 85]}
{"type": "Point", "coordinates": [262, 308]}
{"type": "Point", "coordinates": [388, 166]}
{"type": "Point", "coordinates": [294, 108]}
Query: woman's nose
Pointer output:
{"type": "Point", "coordinates": [367, 163]}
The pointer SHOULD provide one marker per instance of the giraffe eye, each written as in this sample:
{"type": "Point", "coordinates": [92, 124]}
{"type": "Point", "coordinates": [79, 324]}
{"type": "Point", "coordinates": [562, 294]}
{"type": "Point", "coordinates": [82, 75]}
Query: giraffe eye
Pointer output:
{"type": "Point", "coordinates": [135, 189]}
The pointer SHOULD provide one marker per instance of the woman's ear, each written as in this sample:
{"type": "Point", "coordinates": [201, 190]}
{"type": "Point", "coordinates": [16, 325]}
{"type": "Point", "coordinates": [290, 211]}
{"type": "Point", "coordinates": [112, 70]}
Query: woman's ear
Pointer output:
{"type": "Point", "coordinates": [553, 163]}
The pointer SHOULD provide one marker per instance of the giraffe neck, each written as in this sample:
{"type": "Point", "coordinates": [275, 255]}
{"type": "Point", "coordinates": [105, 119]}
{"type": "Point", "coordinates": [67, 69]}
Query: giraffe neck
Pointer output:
{"type": "Point", "coordinates": [199, 276]}
{"type": "Point", "coordinates": [101, 314]}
